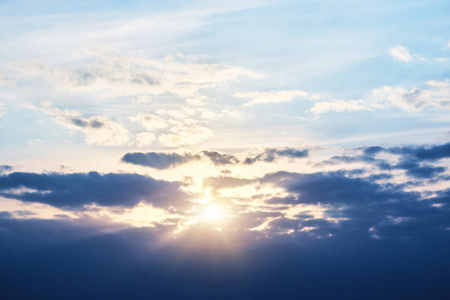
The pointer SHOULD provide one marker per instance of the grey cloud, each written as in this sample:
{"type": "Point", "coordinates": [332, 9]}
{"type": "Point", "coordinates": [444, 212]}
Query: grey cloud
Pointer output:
{"type": "Point", "coordinates": [220, 159]}
{"type": "Point", "coordinates": [5, 168]}
{"type": "Point", "coordinates": [413, 159]}
{"type": "Point", "coordinates": [434, 152]}
{"type": "Point", "coordinates": [373, 150]}
{"type": "Point", "coordinates": [270, 154]}
{"type": "Point", "coordinates": [24, 213]}
{"type": "Point", "coordinates": [87, 77]}
{"type": "Point", "coordinates": [86, 123]}
{"type": "Point", "coordinates": [159, 160]}
{"type": "Point", "coordinates": [329, 188]}
{"type": "Point", "coordinates": [73, 191]}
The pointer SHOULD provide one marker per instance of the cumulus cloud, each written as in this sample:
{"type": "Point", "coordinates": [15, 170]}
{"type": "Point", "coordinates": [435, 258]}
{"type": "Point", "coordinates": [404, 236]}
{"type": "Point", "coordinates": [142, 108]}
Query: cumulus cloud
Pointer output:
{"type": "Point", "coordinates": [400, 53]}
{"type": "Point", "coordinates": [159, 160]}
{"type": "Point", "coordinates": [436, 94]}
{"type": "Point", "coordinates": [99, 130]}
{"type": "Point", "coordinates": [269, 97]}
{"type": "Point", "coordinates": [73, 191]}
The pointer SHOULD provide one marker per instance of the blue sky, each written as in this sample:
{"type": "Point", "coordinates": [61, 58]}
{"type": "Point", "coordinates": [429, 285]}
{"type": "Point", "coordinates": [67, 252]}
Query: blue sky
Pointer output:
{"type": "Point", "coordinates": [217, 135]}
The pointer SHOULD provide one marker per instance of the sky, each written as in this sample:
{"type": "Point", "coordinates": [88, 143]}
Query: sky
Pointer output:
{"type": "Point", "coordinates": [272, 149]}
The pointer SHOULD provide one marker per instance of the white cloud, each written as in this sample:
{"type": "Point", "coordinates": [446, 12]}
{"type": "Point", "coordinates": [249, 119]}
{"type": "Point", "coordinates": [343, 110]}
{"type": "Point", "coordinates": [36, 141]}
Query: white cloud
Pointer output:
{"type": "Point", "coordinates": [339, 106]}
{"type": "Point", "coordinates": [437, 95]}
{"type": "Point", "coordinates": [142, 99]}
{"type": "Point", "coordinates": [112, 76]}
{"type": "Point", "coordinates": [184, 136]}
{"type": "Point", "coordinates": [149, 122]}
{"type": "Point", "coordinates": [99, 130]}
{"type": "Point", "coordinates": [145, 139]}
{"type": "Point", "coordinates": [198, 100]}
{"type": "Point", "coordinates": [400, 53]}
{"type": "Point", "coordinates": [270, 97]}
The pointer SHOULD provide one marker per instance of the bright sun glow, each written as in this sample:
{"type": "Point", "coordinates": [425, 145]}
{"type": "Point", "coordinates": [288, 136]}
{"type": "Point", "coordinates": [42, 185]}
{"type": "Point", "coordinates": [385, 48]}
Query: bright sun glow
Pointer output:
{"type": "Point", "coordinates": [213, 212]}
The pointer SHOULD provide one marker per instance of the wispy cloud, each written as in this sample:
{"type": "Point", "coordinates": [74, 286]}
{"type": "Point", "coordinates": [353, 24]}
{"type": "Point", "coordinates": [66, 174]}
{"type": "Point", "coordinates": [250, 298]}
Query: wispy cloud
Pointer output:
{"type": "Point", "coordinates": [340, 106]}
{"type": "Point", "coordinates": [269, 97]}
{"type": "Point", "coordinates": [402, 54]}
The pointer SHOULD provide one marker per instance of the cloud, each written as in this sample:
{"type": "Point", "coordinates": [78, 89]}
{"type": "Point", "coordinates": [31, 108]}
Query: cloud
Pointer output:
{"type": "Point", "coordinates": [340, 106]}
{"type": "Point", "coordinates": [159, 161]}
{"type": "Point", "coordinates": [270, 154]}
{"type": "Point", "coordinates": [339, 189]}
{"type": "Point", "coordinates": [185, 136]}
{"type": "Point", "coordinates": [5, 168]}
{"type": "Point", "coordinates": [424, 153]}
{"type": "Point", "coordinates": [434, 152]}
{"type": "Point", "coordinates": [149, 121]}
{"type": "Point", "coordinates": [145, 139]}
{"type": "Point", "coordinates": [436, 94]}
{"type": "Point", "coordinates": [35, 252]}
{"type": "Point", "coordinates": [73, 191]}
{"type": "Point", "coordinates": [113, 75]}
{"type": "Point", "coordinates": [99, 130]}
{"type": "Point", "coordinates": [269, 97]}
{"type": "Point", "coordinates": [400, 53]}
{"type": "Point", "coordinates": [413, 159]}
{"type": "Point", "coordinates": [220, 159]}
{"type": "Point", "coordinates": [223, 182]}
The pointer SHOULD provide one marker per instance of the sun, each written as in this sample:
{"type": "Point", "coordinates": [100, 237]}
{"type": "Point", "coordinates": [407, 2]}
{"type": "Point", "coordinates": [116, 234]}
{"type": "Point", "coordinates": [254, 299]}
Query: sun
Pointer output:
{"type": "Point", "coordinates": [213, 212]}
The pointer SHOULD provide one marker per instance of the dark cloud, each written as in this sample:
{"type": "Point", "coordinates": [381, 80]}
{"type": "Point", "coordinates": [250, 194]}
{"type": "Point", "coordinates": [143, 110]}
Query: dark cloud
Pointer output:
{"type": "Point", "coordinates": [24, 213]}
{"type": "Point", "coordinates": [414, 169]}
{"type": "Point", "coordinates": [5, 168]}
{"type": "Point", "coordinates": [270, 154]}
{"type": "Point", "coordinates": [434, 152]}
{"type": "Point", "coordinates": [373, 150]}
{"type": "Point", "coordinates": [159, 160]}
{"type": "Point", "coordinates": [79, 189]}
{"type": "Point", "coordinates": [220, 159]}
{"type": "Point", "coordinates": [412, 160]}
{"type": "Point", "coordinates": [294, 153]}
{"type": "Point", "coordinates": [5, 214]}
{"type": "Point", "coordinates": [86, 123]}
{"type": "Point", "coordinates": [48, 259]}
{"type": "Point", "coordinates": [329, 188]}
{"type": "Point", "coordinates": [366, 209]}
